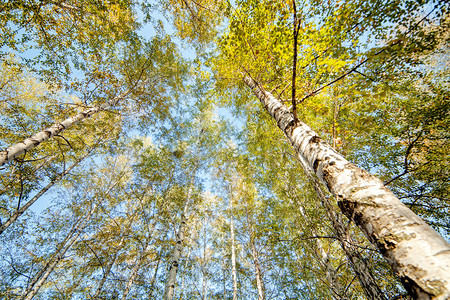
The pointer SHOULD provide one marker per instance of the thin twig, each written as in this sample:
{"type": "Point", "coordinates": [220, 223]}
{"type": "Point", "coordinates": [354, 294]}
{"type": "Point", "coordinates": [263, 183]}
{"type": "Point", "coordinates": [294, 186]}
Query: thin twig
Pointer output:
{"type": "Point", "coordinates": [294, 64]}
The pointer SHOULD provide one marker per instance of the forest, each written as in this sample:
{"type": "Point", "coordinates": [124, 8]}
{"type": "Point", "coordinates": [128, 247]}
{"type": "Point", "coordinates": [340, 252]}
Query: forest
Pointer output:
{"type": "Point", "coordinates": [216, 149]}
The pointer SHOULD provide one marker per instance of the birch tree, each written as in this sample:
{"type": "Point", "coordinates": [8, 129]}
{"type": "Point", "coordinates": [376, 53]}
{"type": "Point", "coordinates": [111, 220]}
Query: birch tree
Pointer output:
{"type": "Point", "coordinates": [401, 236]}
{"type": "Point", "coordinates": [370, 77]}
{"type": "Point", "coordinates": [362, 197]}
{"type": "Point", "coordinates": [176, 256]}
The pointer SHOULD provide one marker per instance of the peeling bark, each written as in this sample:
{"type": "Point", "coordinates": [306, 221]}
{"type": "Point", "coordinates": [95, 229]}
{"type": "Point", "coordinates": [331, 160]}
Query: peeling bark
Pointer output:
{"type": "Point", "coordinates": [365, 277]}
{"type": "Point", "coordinates": [418, 255]}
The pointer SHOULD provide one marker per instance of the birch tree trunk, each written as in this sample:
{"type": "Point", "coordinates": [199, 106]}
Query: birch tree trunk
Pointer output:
{"type": "Point", "coordinates": [258, 273]}
{"type": "Point", "coordinates": [29, 143]}
{"type": "Point", "coordinates": [43, 274]}
{"type": "Point", "coordinates": [176, 256]}
{"type": "Point", "coordinates": [419, 256]}
{"type": "Point", "coordinates": [365, 277]}
{"type": "Point", "coordinates": [22, 209]}
{"type": "Point", "coordinates": [134, 271]}
{"type": "Point", "coordinates": [184, 276]}
{"type": "Point", "coordinates": [336, 287]}
{"type": "Point", "coordinates": [152, 285]}
{"type": "Point", "coordinates": [233, 252]}
{"type": "Point", "coordinates": [368, 282]}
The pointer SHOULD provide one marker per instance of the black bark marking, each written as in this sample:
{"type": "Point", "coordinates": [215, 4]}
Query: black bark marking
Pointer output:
{"type": "Point", "coordinates": [315, 139]}
{"type": "Point", "coordinates": [48, 133]}
{"type": "Point", "coordinates": [316, 164]}
{"type": "Point", "coordinates": [327, 178]}
{"type": "Point", "coordinates": [346, 207]}
{"type": "Point", "coordinates": [274, 112]}
{"type": "Point", "coordinates": [290, 127]}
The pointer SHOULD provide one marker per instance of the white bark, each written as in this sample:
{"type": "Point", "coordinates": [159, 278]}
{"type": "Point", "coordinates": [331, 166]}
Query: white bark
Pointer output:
{"type": "Point", "coordinates": [134, 271]}
{"type": "Point", "coordinates": [365, 277]}
{"type": "Point", "coordinates": [330, 272]}
{"type": "Point", "coordinates": [152, 285]}
{"type": "Point", "coordinates": [16, 150]}
{"type": "Point", "coordinates": [176, 256]}
{"type": "Point", "coordinates": [233, 252]}
{"type": "Point", "coordinates": [255, 256]}
{"type": "Point", "coordinates": [258, 273]}
{"type": "Point", "coordinates": [419, 256]}
{"type": "Point", "coordinates": [22, 209]}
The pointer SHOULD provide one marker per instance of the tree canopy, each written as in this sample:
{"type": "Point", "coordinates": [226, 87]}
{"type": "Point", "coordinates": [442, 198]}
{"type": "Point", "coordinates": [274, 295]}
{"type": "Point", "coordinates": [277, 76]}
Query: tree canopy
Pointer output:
{"type": "Point", "coordinates": [221, 150]}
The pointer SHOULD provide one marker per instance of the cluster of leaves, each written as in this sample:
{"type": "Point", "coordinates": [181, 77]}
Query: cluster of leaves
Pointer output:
{"type": "Point", "coordinates": [372, 79]}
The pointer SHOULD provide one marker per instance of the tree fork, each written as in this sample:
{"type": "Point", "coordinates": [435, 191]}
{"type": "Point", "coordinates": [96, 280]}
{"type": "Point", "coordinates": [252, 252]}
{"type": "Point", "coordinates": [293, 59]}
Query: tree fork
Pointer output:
{"type": "Point", "coordinates": [417, 253]}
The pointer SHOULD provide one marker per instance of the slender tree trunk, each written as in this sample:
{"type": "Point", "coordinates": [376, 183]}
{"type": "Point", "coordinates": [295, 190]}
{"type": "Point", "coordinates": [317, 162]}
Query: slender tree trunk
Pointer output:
{"type": "Point", "coordinates": [336, 287]}
{"type": "Point", "coordinates": [258, 273]}
{"type": "Point", "coordinates": [43, 274]}
{"type": "Point", "coordinates": [419, 256]}
{"type": "Point", "coordinates": [29, 143]}
{"type": "Point", "coordinates": [176, 256]}
{"type": "Point", "coordinates": [184, 276]}
{"type": "Point", "coordinates": [330, 272]}
{"type": "Point", "coordinates": [203, 266]}
{"type": "Point", "coordinates": [233, 252]}
{"type": "Point", "coordinates": [256, 262]}
{"type": "Point", "coordinates": [22, 209]}
{"type": "Point", "coordinates": [134, 271]}
{"type": "Point", "coordinates": [368, 282]}
{"type": "Point", "coordinates": [205, 286]}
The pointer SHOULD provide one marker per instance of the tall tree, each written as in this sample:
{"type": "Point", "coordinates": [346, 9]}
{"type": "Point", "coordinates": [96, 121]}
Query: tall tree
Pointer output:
{"type": "Point", "coordinates": [176, 256]}
{"type": "Point", "coordinates": [363, 198]}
